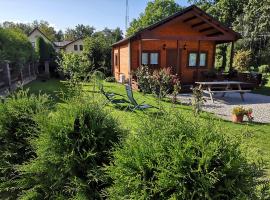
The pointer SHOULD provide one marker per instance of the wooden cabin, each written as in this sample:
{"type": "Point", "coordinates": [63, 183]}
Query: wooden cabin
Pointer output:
{"type": "Point", "coordinates": [185, 41]}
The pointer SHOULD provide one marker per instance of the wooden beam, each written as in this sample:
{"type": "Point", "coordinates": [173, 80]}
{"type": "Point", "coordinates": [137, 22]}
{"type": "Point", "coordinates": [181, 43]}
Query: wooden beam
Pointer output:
{"type": "Point", "coordinates": [198, 60]}
{"type": "Point", "coordinates": [178, 70]}
{"type": "Point", "coordinates": [140, 52]}
{"type": "Point", "coordinates": [232, 54]}
{"type": "Point", "coordinates": [189, 37]}
{"type": "Point", "coordinates": [215, 34]}
{"type": "Point", "coordinates": [198, 24]}
{"type": "Point", "coordinates": [208, 21]}
{"type": "Point", "coordinates": [206, 29]}
{"type": "Point", "coordinates": [189, 19]}
{"type": "Point", "coordinates": [214, 56]}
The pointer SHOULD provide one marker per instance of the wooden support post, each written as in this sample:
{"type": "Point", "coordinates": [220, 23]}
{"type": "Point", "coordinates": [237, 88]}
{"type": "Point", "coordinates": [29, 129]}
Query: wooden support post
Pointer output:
{"type": "Point", "coordinates": [178, 70]}
{"type": "Point", "coordinates": [112, 62]}
{"type": "Point", "coordinates": [231, 57]}
{"type": "Point", "coordinates": [198, 60]}
{"type": "Point", "coordinates": [140, 53]}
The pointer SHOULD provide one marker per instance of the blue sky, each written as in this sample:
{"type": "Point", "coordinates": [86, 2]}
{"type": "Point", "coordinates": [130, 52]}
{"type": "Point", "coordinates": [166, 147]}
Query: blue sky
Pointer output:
{"type": "Point", "coordinates": [68, 13]}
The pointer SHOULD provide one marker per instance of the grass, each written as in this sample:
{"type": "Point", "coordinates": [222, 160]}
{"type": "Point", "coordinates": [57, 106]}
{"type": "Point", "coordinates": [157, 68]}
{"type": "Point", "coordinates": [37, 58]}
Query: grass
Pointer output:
{"type": "Point", "coordinates": [254, 137]}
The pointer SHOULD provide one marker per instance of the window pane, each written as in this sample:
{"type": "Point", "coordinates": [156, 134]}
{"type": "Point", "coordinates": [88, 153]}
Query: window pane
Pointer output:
{"type": "Point", "coordinates": [144, 58]}
{"type": "Point", "coordinates": [203, 59]}
{"type": "Point", "coordinates": [81, 47]}
{"type": "Point", "coordinates": [154, 58]}
{"type": "Point", "coordinates": [75, 47]}
{"type": "Point", "coordinates": [192, 59]}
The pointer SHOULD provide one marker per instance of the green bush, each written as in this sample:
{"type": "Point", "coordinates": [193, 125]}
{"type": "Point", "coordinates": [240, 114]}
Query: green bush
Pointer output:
{"type": "Point", "coordinates": [17, 127]}
{"type": "Point", "coordinates": [74, 144]}
{"type": "Point", "coordinates": [242, 60]}
{"type": "Point", "coordinates": [264, 69]}
{"type": "Point", "coordinates": [173, 158]}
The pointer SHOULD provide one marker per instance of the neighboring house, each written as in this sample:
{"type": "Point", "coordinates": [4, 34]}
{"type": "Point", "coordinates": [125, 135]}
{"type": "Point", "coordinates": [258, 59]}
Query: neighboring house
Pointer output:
{"type": "Point", "coordinates": [75, 46]}
{"type": "Point", "coordinates": [185, 41]}
{"type": "Point", "coordinates": [36, 33]}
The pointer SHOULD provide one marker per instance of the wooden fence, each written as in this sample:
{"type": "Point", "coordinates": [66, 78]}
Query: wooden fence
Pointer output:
{"type": "Point", "coordinates": [11, 75]}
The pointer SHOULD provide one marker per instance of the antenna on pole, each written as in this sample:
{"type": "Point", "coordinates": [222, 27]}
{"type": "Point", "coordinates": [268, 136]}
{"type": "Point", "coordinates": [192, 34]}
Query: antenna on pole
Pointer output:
{"type": "Point", "coordinates": [127, 14]}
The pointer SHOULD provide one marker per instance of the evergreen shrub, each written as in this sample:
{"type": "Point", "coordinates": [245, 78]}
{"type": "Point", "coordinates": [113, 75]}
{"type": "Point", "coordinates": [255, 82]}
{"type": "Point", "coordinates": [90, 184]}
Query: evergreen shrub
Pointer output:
{"type": "Point", "coordinates": [17, 126]}
{"type": "Point", "coordinates": [175, 158]}
{"type": "Point", "coordinates": [73, 146]}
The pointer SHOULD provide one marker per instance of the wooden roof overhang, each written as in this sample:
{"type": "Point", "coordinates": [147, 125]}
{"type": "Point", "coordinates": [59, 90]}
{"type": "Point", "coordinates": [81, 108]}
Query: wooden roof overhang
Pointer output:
{"type": "Point", "coordinates": [208, 28]}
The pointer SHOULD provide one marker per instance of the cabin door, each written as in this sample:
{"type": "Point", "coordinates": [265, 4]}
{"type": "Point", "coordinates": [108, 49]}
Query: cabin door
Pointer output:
{"type": "Point", "coordinates": [171, 59]}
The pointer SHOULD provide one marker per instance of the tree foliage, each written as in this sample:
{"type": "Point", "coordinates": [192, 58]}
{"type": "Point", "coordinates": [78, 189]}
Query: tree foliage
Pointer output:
{"type": "Point", "coordinates": [45, 50]}
{"type": "Point", "coordinates": [15, 46]}
{"type": "Point", "coordinates": [80, 31]}
{"type": "Point", "coordinates": [98, 48]}
{"type": "Point", "coordinates": [254, 25]}
{"type": "Point", "coordinates": [242, 60]}
{"type": "Point", "coordinates": [155, 11]}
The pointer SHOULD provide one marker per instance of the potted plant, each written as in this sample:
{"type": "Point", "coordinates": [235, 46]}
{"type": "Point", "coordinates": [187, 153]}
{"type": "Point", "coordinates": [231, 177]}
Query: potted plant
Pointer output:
{"type": "Point", "coordinates": [239, 112]}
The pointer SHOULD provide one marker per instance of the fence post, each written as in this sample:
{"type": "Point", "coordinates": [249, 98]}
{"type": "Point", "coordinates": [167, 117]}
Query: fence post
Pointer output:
{"type": "Point", "coordinates": [29, 70]}
{"type": "Point", "coordinates": [47, 69]}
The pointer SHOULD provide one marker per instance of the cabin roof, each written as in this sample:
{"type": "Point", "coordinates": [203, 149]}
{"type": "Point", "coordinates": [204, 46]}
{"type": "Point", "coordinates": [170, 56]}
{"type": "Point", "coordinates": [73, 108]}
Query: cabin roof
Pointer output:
{"type": "Point", "coordinates": [207, 24]}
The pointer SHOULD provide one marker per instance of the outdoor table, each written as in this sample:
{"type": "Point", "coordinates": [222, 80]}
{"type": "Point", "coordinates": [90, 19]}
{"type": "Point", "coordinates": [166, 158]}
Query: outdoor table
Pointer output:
{"type": "Point", "coordinates": [224, 86]}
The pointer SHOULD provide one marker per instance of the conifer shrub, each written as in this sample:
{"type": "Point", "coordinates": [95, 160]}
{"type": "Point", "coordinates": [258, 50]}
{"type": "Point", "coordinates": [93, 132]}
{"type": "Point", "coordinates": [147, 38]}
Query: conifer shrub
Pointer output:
{"type": "Point", "coordinates": [73, 146]}
{"type": "Point", "coordinates": [17, 126]}
{"type": "Point", "coordinates": [174, 158]}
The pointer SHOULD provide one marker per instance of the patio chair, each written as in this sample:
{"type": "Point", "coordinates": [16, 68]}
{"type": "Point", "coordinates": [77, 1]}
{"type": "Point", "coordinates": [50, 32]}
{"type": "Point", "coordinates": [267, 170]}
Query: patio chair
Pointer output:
{"type": "Point", "coordinates": [111, 96]}
{"type": "Point", "coordinates": [134, 102]}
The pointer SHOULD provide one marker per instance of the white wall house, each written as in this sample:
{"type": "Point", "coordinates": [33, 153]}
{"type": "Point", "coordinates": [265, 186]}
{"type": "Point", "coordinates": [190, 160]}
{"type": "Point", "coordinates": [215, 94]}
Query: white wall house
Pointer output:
{"type": "Point", "coordinates": [75, 46]}
{"type": "Point", "coordinates": [36, 33]}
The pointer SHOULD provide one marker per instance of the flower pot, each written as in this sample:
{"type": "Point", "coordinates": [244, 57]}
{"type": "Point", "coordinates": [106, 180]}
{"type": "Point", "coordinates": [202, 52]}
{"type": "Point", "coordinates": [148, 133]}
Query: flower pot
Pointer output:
{"type": "Point", "coordinates": [237, 118]}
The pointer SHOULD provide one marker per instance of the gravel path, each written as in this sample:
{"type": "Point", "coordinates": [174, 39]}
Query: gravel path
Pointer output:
{"type": "Point", "coordinates": [223, 106]}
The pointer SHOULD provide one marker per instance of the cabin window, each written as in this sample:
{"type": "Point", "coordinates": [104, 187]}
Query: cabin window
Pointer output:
{"type": "Point", "coordinates": [192, 59]}
{"type": "Point", "coordinates": [144, 58]}
{"type": "Point", "coordinates": [203, 59]}
{"type": "Point", "coordinates": [116, 60]}
{"type": "Point", "coordinates": [76, 47]}
{"type": "Point", "coordinates": [81, 47]}
{"type": "Point", "coordinates": [150, 58]}
{"type": "Point", "coordinates": [154, 58]}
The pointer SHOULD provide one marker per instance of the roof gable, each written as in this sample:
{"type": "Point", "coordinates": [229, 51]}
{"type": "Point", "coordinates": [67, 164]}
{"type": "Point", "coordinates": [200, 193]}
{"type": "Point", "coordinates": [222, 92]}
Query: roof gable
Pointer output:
{"type": "Point", "coordinates": [194, 19]}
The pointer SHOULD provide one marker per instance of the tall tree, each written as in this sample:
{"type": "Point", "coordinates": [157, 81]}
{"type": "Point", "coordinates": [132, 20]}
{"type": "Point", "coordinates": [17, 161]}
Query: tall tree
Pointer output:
{"type": "Point", "coordinates": [59, 36]}
{"type": "Point", "coordinates": [254, 25]}
{"type": "Point", "coordinates": [26, 28]}
{"type": "Point", "coordinates": [155, 11]}
{"type": "Point", "coordinates": [80, 31]}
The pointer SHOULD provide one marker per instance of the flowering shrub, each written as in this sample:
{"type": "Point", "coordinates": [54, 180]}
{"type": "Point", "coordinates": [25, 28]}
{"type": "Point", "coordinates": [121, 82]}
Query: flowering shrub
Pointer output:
{"type": "Point", "coordinates": [158, 82]}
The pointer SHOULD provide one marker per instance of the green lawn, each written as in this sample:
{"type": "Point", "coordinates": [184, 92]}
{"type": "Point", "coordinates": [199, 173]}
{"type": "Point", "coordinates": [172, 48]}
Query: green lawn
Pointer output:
{"type": "Point", "coordinates": [254, 137]}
